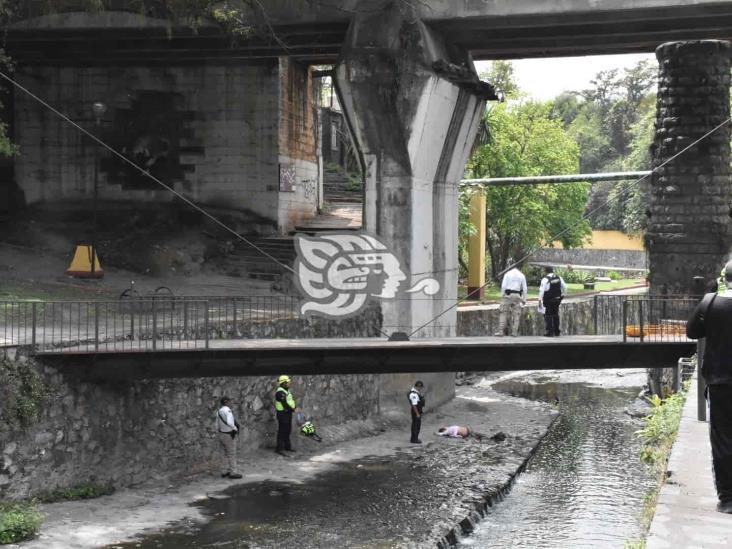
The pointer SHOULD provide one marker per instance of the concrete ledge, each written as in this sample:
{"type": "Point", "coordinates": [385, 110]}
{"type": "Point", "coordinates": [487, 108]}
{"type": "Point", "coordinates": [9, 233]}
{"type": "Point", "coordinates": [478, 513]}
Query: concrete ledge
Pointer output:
{"type": "Point", "coordinates": [686, 515]}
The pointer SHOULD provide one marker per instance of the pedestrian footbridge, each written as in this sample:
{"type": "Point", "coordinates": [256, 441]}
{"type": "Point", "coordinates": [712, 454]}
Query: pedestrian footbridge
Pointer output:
{"type": "Point", "coordinates": [242, 336]}
{"type": "Point", "coordinates": [368, 355]}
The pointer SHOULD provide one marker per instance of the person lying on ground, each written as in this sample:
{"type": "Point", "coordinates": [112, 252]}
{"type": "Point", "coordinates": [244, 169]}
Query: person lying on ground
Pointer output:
{"type": "Point", "coordinates": [454, 431]}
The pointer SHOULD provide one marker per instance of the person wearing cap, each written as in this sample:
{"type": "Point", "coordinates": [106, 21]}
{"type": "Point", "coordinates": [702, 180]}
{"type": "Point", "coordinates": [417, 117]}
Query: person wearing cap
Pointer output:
{"type": "Point", "coordinates": [551, 292]}
{"type": "Point", "coordinates": [285, 407]}
{"type": "Point", "coordinates": [416, 406]}
{"type": "Point", "coordinates": [513, 295]}
{"type": "Point", "coordinates": [228, 428]}
{"type": "Point", "coordinates": [712, 319]}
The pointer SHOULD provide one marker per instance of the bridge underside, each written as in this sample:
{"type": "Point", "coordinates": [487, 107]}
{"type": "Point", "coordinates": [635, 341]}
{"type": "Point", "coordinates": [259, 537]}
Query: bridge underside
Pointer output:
{"type": "Point", "coordinates": [90, 39]}
{"type": "Point", "coordinates": [359, 356]}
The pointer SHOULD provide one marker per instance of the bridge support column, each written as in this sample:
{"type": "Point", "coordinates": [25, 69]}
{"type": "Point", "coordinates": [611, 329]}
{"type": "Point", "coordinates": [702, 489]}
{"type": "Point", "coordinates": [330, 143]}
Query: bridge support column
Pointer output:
{"type": "Point", "coordinates": [690, 231]}
{"type": "Point", "coordinates": [413, 105]}
{"type": "Point", "coordinates": [476, 246]}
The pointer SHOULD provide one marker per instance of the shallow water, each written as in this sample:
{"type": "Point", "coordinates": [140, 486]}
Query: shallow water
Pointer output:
{"type": "Point", "coordinates": [585, 486]}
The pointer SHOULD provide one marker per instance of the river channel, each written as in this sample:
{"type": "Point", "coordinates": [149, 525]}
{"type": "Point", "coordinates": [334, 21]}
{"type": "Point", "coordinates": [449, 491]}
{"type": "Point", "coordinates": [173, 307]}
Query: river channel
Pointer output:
{"type": "Point", "coordinates": [583, 488]}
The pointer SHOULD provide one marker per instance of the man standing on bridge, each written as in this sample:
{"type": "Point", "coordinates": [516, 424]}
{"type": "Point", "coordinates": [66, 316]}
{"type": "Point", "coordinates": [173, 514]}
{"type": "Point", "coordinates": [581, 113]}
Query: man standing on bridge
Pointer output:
{"type": "Point", "coordinates": [513, 294]}
{"type": "Point", "coordinates": [285, 407]}
{"type": "Point", "coordinates": [551, 292]}
{"type": "Point", "coordinates": [712, 319]}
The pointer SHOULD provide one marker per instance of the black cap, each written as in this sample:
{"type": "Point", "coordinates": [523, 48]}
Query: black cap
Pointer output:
{"type": "Point", "coordinates": [224, 399]}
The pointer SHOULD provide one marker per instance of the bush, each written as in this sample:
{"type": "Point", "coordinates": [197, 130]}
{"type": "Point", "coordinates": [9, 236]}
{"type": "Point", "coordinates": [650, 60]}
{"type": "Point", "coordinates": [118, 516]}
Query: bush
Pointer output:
{"type": "Point", "coordinates": [614, 275]}
{"type": "Point", "coordinates": [533, 274]}
{"type": "Point", "coordinates": [18, 522]}
{"type": "Point", "coordinates": [662, 424]}
{"type": "Point", "coordinates": [574, 277]}
{"type": "Point", "coordinates": [86, 490]}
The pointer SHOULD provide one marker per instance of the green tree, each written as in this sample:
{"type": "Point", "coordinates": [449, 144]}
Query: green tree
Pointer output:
{"type": "Point", "coordinates": [527, 141]}
{"type": "Point", "coordinates": [501, 75]}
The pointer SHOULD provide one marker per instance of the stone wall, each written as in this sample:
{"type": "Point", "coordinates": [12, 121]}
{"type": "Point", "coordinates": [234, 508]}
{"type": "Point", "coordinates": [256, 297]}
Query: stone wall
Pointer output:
{"type": "Point", "coordinates": [612, 259]}
{"type": "Point", "coordinates": [689, 231]}
{"type": "Point", "coordinates": [129, 432]}
{"type": "Point", "coordinates": [217, 133]}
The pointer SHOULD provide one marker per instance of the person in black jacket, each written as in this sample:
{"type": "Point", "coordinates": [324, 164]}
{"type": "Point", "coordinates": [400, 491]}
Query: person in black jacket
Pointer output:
{"type": "Point", "coordinates": [712, 319]}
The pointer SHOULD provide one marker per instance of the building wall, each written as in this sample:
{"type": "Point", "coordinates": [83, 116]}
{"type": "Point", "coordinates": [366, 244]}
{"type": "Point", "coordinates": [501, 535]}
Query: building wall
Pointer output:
{"type": "Point", "coordinates": [218, 133]}
{"type": "Point", "coordinates": [297, 146]}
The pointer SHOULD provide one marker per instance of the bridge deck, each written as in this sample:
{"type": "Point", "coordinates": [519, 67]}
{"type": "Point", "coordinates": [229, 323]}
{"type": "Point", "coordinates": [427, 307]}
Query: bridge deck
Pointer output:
{"type": "Point", "coordinates": [372, 355]}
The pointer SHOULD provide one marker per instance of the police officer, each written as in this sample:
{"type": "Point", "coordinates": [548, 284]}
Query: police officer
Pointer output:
{"type": "Point", "coordinates": [712, 319]}
{"type": "Point", "coordinates": [285, 407]}
{"type": "Point", "coordinates": [416, 403]}
{"type": "Point", "coordinates": [551, 292]}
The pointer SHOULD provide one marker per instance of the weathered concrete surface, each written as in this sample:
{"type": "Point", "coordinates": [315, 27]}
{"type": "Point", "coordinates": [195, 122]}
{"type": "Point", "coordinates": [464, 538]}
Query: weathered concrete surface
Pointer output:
{"type": "Point", "coordinates": [689, 229]}
{"type": "Point", "coordinates": [224, 136]}
{"type": "Point", "coordinates": [455, 480]}
{"type": "Point", "coordinates": [315, 30]}
{"type": "Point", "coordinates": [686, 515]}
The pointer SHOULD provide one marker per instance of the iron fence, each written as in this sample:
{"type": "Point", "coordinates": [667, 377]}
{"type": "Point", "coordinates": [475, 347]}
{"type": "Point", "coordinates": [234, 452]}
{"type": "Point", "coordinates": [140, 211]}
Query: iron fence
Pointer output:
{"type": "Point", "coordinates": [131, 324]}
{"type": "Point", "coordinates": [191, 322]}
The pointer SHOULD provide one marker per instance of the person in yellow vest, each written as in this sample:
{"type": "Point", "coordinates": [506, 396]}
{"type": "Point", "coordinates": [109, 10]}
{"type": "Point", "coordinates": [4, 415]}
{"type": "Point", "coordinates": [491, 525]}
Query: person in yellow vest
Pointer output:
{"type": "Point", "coordinates": [285, 407]}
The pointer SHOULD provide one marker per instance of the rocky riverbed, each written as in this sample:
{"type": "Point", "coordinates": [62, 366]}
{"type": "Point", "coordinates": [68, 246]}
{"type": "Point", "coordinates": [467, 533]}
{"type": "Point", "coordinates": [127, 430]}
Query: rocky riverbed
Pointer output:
{"type": "Point", "coordinates": [370, 491]}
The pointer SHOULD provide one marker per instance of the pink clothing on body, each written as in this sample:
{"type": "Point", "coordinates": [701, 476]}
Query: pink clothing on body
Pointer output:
{"type": "Point", "coordinates": [455, 431]}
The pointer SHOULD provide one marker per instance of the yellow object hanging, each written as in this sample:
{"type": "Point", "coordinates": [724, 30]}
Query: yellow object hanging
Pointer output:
{"type": "Point", "coordinates": [81, 265]}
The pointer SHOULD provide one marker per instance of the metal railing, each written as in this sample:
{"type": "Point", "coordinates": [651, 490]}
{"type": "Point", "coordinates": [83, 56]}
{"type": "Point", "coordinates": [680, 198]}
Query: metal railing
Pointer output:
{"type": "Point", "coordinates": [132, 324]}
{"type": "Point", "coordinates": [191, 322]}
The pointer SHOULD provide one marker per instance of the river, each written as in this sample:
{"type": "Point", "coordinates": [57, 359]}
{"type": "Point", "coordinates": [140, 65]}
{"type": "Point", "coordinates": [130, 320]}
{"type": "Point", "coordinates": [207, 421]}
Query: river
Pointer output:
{"type": "Point", "coordinates": [585, 486]}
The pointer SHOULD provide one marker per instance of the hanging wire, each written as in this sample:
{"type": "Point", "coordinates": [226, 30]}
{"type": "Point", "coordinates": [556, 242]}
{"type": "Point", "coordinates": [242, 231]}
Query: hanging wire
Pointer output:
{"type": "Point", "coordinates": [145, 172]}
{"type": "Point", "coordinates": [582, 220]}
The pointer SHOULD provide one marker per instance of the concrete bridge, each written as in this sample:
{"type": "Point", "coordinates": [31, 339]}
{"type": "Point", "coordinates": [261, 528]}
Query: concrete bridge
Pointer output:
{"type": "Point", "coordinates": [367, 356]}
{"type": "Point", "coordinates": [315, 32]}
{"type": "Point", "coordinates": [240, 132]}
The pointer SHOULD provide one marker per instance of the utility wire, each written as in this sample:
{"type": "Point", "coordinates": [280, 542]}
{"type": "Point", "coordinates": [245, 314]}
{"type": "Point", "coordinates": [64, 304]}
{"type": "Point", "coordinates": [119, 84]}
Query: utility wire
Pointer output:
{"type": "Point", "coordinates": [583, 219]}
{"type": "Point", "coordinates": [145, 172]}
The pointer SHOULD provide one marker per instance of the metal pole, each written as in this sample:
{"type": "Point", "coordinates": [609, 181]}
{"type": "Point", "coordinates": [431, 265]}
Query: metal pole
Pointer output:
{"type": "Point", "coordinates": [94, 208]}
{"type": "Point", "coordinates": [594, 313]}
{"type": "Point", "coordinates": [640, 317]}
{"type": "Point", "coordinates": [185, 320]}
{"type": "Point", "coordinates": [96, 327]}
{"type": "Point", "coordinates": [625, 320]}
{"type": "Point", "coordinates": [33, 330]}
{"type": "Point", "coordinates": [205, 322]}
{"type": "Point", "coordinates": [544, 179]}
{"type": "Point", "coordinates": [154, 326]}
{"type": "Point", "coordinates": [701, 401]}
{"type": "Point", "coordinates": [234, 330]}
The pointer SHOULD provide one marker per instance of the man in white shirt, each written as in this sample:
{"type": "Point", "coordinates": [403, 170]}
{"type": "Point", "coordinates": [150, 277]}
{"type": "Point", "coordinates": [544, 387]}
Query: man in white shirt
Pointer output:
{"type": "Point", "coordinates": [513, 295]}
{"type": "Point", "coordinates": [228, 428]}
{"type": "Point", "coordinates": [551, 292]}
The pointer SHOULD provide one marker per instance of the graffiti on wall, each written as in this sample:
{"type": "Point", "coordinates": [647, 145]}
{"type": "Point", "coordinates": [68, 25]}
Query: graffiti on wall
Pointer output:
{"type": "Point", "coordinates": [310, 188]}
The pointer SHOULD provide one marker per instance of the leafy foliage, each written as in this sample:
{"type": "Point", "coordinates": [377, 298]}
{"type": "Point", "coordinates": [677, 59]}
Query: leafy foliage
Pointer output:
{"type": "Point", "coordinates": [86, 490]}
{"type": "Point", "coordinates": [22, 394]}
{"type": "Point", "coordinates": [18, 522]}
{"type": "Point", "coordinates": [527, 141]}
{"type": "Point", "coordinates": [661, 427]}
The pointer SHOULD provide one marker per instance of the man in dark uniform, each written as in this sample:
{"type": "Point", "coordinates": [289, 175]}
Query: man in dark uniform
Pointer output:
{"type": "Point", "coordinates": [712, 319]}
{"type": "Point", "coordinates": [285, 407]}
{"type": "Point", "coordinates": [551, 292]}
{"type": "Point", "coordinates": [416, 405]}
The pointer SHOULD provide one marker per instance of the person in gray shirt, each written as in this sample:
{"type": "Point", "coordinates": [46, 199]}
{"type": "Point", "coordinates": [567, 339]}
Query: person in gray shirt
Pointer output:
{"type": "Point", "coordinates": [228, 428]}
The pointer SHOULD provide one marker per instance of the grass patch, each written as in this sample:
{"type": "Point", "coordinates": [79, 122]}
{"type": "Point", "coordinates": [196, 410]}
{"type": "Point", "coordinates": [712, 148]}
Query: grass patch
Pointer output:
{"type": "Point", "coordinates": [18, 522]}
{"type": "Point", "coordinates": [86, 490]}
{"type": "Point", "coordinates": [659, 434]}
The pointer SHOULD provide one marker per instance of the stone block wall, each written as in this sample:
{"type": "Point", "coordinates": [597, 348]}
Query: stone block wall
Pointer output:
{"type": "Point", "coordinates": [689, 231]}
{"type": "Point", "coordinates": [129, 432]}
{"type": "Point", "coordinates": [217, 133]}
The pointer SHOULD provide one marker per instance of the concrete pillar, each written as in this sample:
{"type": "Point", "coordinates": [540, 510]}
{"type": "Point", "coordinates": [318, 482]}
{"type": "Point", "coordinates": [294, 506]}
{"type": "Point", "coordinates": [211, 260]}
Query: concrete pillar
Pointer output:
{"type": "Point", "coordinates": [689, 231]}
{"type": "Point", "coordinates": [412, 105]}
{"type": "Point", "coordinates": [476, 246]}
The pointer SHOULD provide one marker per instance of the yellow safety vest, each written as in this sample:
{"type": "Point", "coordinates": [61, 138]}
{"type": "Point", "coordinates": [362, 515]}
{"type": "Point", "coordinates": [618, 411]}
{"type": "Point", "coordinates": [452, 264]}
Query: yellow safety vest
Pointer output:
{"type": "Point", "coordinates": [290, 400]}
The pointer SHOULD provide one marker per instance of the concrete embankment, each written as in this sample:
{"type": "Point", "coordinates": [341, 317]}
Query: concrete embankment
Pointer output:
{"type": "Point", "coordinates": [386, 490]}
